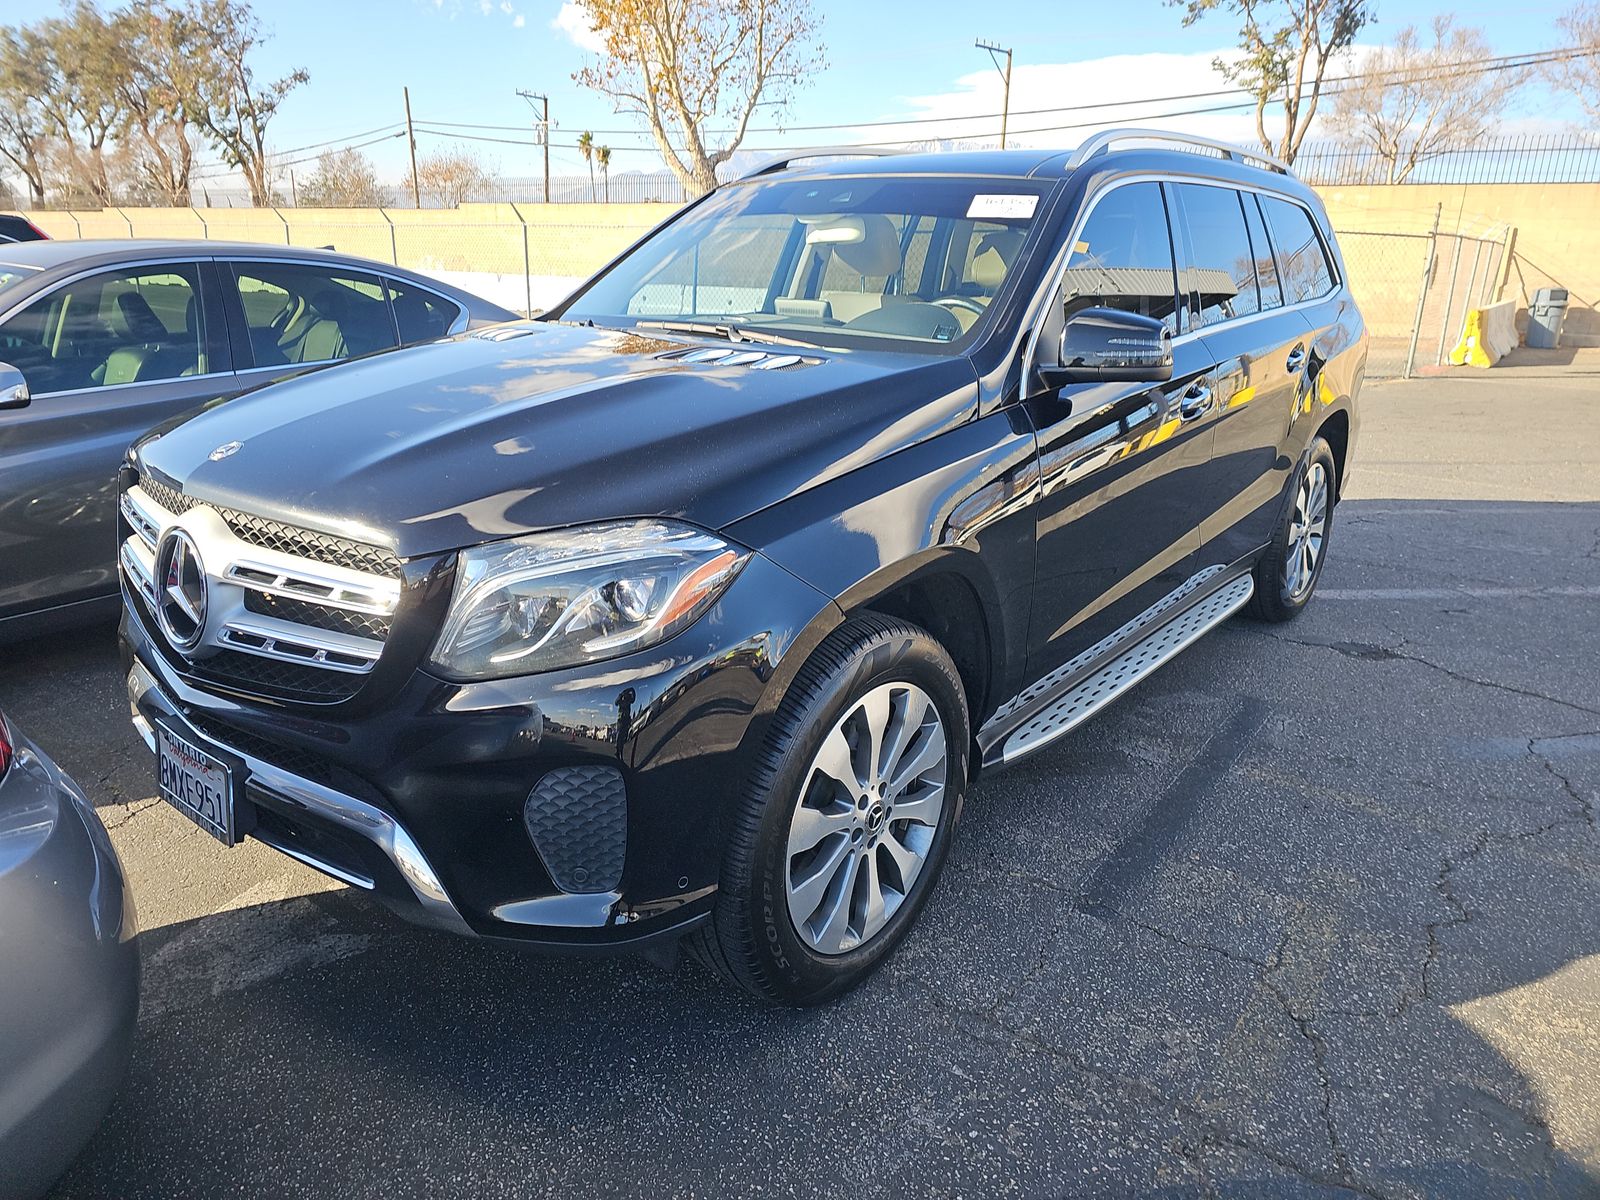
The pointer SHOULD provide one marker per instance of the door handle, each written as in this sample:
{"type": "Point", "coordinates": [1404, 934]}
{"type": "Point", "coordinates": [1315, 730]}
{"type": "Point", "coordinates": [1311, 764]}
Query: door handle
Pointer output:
{"type": "Point", "coordinates": [1195, 402]}
{"type": "Point", "coordinates": [1297, 358]}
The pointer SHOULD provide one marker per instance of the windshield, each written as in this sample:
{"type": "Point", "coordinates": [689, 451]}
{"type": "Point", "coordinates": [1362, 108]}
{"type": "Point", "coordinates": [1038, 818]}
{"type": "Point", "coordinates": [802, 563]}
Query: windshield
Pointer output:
{"type": "Point", "coordinates": [888, 261]}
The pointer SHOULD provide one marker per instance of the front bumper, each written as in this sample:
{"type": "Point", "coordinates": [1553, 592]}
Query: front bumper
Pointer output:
{"type": "Point", "coordinates": [418, 794]}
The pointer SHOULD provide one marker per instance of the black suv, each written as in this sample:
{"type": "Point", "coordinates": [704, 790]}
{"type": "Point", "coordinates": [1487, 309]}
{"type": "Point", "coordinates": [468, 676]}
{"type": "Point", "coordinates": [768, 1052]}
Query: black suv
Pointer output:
{"type": "Point", "coordinates": [694, 608]}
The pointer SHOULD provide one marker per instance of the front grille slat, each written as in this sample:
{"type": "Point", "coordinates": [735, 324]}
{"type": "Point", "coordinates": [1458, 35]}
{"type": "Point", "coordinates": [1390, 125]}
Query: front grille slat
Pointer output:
{"type": "Point", "coordinates": [332, 670]}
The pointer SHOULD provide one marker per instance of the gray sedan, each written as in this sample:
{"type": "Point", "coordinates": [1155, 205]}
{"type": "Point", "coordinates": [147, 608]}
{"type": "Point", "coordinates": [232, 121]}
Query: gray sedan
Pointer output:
{"type": "Point", "coordinates": [69, 969]}
{"type": "Point", "coordinates": [100, 341]}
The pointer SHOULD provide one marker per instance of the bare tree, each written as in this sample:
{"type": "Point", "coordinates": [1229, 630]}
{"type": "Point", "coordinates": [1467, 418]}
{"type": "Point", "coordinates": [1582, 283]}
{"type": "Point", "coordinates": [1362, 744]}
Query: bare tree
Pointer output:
{"type": "Point", "coordinates": [1579, 76]}
{"type": "Point", "coordinates": [227, 101]}
{"type": "Point", "coordinates": [164, 51]}
{"type": "Point", "coordinates": [343, 179]}
{"type": "Point", "coordinates": [1287, 47]}
{"type": "Point", "coordinates": [1413, 101]}
{"type": "Point", "coordinates": [451, 176]}
{"type": "Point", "coordinates": [24, 137]}
{"type": "Point", "coordinates": [682, 64]}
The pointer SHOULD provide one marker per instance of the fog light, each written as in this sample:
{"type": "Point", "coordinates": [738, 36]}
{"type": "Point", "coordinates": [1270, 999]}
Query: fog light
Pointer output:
{"type": "Point", "coordinates": [577, 818]}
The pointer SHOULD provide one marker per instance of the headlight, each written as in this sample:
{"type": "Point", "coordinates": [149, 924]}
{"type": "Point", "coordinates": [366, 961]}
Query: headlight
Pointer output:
{"type": "Point", "coordinates": [579, 595]}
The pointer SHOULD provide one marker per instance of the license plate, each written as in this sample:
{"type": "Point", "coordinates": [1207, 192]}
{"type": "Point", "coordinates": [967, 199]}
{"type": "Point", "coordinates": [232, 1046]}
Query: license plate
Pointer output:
{"type": "Point", "coordinates": [196, 784]}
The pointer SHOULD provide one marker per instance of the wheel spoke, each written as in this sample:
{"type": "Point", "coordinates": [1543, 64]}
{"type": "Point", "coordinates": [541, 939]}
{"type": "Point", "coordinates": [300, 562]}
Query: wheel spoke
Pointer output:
{"type": "Point", "coordinates": [924, 809]}
{"type": "Point", "coordinates": [874, 914]}
{"type": "Point", "coordinates": [909, 714]}
{"type": "Point", "coordinates": [906, 862]}
{"type": "Point", "coordinates": [834, 761]}
{"type": "Point", "coordinates": [835, 927]}
{"type": "Point", "coordinates": [923, 757]}
{"type": "Point", "coordinates": [875, 710]}
{"type": "Point", "coordinates": [805, 895]}
{"type": "Point", "coordinates": [811, 825]}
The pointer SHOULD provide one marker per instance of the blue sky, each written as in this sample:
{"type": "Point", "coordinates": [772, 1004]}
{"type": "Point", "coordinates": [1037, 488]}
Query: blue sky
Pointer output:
{"type": "Point", "coordinates": [465, 59]}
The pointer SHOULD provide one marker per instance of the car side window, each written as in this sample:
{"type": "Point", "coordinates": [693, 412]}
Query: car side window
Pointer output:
{"type": "Point", "coordinates": [1221, 270]}
{"type": "Point", "coordinates": [1123, 257]}
{"type": "Point", "coordinates": [111, 329]}
{"type": "Point", "coordinates": [1261, 247]}
{"type": "Point", "coordinates": [1307, 274]}
{"type": "Point", "coordinates": [302, 314]}
{"type": "Point", "coordinates": [421, 315]}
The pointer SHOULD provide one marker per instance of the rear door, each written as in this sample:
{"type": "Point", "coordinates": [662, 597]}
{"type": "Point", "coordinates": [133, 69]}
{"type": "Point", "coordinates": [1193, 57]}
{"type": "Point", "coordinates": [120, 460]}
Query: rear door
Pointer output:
{"type": "Point", "coordinates": [1118, 518]}
{"type": "Point", "coordinates": [287, 316]}
{"type": "Point", "coordinates": [1261, 347]}
{"type": "Point", "coordinates": [106, 355]}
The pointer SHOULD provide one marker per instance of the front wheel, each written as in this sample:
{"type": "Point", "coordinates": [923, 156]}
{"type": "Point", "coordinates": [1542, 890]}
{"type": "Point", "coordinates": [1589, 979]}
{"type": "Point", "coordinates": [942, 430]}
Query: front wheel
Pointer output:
{"type": "Point", "coordinates": [1288, 571]}
{"type": "Point", "coordinates": [848, 818]}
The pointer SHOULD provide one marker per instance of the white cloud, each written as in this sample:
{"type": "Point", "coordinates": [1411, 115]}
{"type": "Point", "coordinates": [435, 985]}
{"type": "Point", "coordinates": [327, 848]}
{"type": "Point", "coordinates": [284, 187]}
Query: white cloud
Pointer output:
{"type": "Point", "coordinates": [1100, 82]}
{"type": "Point", "coordinates": [518, 21]}
{"type": "Point", "coordinates": [573, 21]}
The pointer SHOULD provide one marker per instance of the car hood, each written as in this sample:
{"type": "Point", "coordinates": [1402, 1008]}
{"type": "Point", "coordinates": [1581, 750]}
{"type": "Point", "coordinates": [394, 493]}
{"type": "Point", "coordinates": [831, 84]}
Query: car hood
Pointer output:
{"type": "Point", "coordinates": [536, 425]}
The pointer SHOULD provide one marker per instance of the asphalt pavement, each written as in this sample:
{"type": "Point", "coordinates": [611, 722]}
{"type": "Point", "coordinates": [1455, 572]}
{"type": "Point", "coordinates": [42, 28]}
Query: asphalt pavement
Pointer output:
{"type": "Point", "coordinates": [1315, 911]}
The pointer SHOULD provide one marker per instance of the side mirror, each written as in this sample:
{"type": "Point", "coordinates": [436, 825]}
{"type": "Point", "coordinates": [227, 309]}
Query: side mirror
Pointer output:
{"type": "Point", "coordinates": [1107, 345]}
{"type": "Point", "coordinates": [13, 388]}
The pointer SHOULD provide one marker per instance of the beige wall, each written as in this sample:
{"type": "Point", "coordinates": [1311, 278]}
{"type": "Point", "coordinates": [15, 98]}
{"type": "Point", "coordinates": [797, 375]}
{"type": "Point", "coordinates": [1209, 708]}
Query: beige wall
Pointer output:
{"type": "Point", "coordinates": [1557, 235]}
{"type": "Point", "coordinates": [1557, 240]}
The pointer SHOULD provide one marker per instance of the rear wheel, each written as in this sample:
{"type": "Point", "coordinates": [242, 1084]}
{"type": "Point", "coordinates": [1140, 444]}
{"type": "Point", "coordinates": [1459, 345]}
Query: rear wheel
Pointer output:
{"type": "Point", "coordinates": [1288, 571]}
{"type": "Point", "coordinates": [845, 825]}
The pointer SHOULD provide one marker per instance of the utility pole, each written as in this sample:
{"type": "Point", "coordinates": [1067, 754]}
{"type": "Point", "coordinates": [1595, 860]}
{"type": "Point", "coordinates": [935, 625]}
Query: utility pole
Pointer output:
{"type": "Point", "coordinates": [1005, 74]}
{"type": "Point", "coordinates": [411, 137]}
{"type": "Point", "coordinates": [543, 130]}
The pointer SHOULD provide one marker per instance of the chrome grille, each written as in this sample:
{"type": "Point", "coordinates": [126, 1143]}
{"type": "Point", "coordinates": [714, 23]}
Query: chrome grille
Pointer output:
{"type": "Point", "coordinates": [289, 615]}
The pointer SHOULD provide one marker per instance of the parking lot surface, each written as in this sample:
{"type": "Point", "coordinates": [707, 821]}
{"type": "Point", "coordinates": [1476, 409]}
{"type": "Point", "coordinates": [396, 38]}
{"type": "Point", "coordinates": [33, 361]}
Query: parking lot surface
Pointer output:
{"type": "Point", "coordinates": [1313, 912]}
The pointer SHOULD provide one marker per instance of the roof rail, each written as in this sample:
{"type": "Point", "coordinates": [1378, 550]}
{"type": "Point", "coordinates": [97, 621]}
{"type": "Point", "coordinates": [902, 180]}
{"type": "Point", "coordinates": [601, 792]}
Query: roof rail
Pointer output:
{"type": "Point", "coordinates": [1102, 142]}
{"type": "Point", "coordinates": [794, 156]}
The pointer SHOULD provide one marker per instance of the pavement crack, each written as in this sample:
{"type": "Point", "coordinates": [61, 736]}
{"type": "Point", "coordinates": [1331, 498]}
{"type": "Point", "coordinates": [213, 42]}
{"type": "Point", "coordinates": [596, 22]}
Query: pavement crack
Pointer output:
{"type": "Point", "coordinates": [1585, 804]}
{"type": "Point", "coordinates": [1369, 652]}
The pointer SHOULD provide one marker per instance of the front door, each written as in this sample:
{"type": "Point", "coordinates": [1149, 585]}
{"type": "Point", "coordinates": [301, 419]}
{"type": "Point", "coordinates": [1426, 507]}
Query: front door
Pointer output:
{"type": "Point", "coordinates": [106, 358]}
{"type": "Point", "coordinates": [1118, 521]}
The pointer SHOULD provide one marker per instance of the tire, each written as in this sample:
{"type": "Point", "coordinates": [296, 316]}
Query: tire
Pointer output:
{"type": "Point", "coordinates": [753, 938]}
{"type": "Point", "coordinates": [1280, 594]}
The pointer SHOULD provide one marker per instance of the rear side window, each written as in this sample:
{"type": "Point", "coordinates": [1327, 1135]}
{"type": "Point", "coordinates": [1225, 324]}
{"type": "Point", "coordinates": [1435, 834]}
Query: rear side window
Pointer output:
{"type": "Point", "coordinates": [1261, 246]}
{"type": "Point", "coordinates": [421, 315]}
{"type": "Point", "coordinates": [1123, 257]}
{"type": "Point", "coordinates": [1307, 274]}
{"type": "Point", "coordinates": [301, 314]}
{"type": "Point", "coordinates": [1221, 275]}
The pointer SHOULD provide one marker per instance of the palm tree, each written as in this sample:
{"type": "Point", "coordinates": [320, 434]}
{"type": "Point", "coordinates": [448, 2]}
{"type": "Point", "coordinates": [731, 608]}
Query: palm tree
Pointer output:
{"type": "Point", "coordinates": [586, 148]}
{"type": "Point", "coordinates": [602, 155]}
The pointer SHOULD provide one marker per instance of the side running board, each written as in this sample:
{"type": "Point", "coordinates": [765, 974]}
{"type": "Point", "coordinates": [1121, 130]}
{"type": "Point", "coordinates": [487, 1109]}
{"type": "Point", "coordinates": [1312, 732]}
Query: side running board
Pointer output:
{"type": "Point", "coordinates": [1080, 702]}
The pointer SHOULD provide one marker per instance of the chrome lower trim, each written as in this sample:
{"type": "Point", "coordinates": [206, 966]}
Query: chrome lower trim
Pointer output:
{"type": "Point", "coordinates": [297, 584]}
{"type": "Point", "coordinates": [364, 819]}
{"type": "Point", "coordinates": [285, 642]}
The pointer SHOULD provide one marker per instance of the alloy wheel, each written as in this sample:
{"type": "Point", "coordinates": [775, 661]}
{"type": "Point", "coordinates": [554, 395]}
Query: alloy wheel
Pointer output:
{"type": "Point", "coordinates": [1308, 526]}
{"type": "Point", "coordinates": [866, 820]}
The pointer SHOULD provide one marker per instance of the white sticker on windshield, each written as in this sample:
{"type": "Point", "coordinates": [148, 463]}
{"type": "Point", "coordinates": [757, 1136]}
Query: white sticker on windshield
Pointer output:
{"type": "Point", "coordinates": [1003, 208]}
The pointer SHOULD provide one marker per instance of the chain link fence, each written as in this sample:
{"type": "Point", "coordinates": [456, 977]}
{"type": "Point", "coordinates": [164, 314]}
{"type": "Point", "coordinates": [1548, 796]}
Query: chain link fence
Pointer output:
{"type": "Point", "coordinates": [1415, 290]}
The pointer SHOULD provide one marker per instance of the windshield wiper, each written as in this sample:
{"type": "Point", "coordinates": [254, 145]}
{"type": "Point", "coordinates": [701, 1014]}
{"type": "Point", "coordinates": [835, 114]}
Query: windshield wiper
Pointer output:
{"type": "Point", "coordinates": [727, 332]}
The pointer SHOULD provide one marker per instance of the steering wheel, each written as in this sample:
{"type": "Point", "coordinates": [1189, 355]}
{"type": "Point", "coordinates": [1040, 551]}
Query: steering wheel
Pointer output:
{"type": "Point", "coordinates": [972, 306]}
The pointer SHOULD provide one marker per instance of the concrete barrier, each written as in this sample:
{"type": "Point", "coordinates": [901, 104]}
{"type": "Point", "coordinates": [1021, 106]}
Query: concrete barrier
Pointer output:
{"type": "Point", "coordinates": [1488, 335]}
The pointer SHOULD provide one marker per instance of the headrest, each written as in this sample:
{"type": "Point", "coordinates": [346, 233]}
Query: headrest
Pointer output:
{"type": "Point", "coordinates": [142, 322]}
{"type": "Point", "coordinates": [995, 254]}
{"type": "Point", "coordinates": [867, 245]}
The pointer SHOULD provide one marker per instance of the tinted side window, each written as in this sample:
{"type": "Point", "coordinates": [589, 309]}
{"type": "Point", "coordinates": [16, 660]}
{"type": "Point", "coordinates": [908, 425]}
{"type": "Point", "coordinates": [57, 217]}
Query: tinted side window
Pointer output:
{"type": "Point", "coordinates": [1261, 245]}
{"type": "Point", "coordinates": [116, 328]}
{"type": "Point", "coordinates": [301, 314]}
{"type": "Point", "coordinates": [1306, 272]}
{"type": "Point", "coordinates": [1221, 271]}
{"type": "Point", "coordinates": [1123, 257]}
{"type": "Point", "coordinates": [421, 315]}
